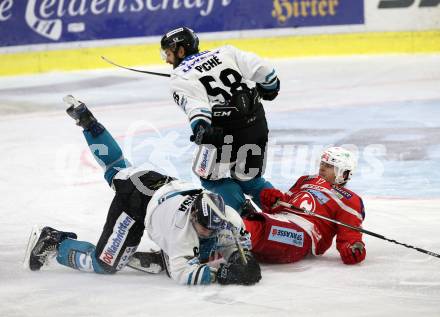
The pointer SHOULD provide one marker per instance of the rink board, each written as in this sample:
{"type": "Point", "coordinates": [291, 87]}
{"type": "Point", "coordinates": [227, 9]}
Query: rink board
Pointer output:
{"type": "Point", "coordinates": [40, 36]}
{"type": "Point", "coordinates": [274, 47]}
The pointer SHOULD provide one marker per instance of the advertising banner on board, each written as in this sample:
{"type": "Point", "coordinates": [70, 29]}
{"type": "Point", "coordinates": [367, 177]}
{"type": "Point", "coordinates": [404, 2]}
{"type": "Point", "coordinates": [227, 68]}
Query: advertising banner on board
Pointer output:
{"type": "Point", "coordinates": [25, 22]}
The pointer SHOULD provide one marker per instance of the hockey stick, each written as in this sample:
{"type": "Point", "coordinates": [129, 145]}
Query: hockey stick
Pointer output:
{"type": "Point", "coordinates": [135, 70]}
{"type": "Point", "coordinates": [233, 229]}
{"type": "Point", "coordinates": [379, 236]}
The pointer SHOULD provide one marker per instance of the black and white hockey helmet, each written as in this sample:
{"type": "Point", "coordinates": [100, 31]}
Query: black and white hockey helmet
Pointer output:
{"type": "Point", "coordinates": [206, 209]}
{"type": "Point", "coordinates": [182, 36]}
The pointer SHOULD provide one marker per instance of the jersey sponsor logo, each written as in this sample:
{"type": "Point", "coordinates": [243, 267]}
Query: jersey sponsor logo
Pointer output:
{"type": "Point", "coordinates": [312, 186]}
{"type": "Point", "coordinates": [117, 239]}
{"type": "Point", "coordinates": [189, 62]}
{"type": "Point", "coordinates": [309, 178]}
{"type": "Point", "coordinates": [336, 197]}
{"type": "Point", "coordinates": [204, 162]}
{"type": "Point", "coordinates": [195, 56]}
{"type": "Point", "coordinates": [286, 236]}
{"type": "Point", "coordinates": [341, 191]}
{"type": "Point", "coordinates": [322, 198]}
{"type": "Point", "coordinates": [129, 251]}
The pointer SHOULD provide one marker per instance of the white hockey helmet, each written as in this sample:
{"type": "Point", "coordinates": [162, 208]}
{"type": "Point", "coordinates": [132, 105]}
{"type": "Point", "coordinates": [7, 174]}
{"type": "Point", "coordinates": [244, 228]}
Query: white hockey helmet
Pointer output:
{"type": "Point", "coordinates": [343, 160]}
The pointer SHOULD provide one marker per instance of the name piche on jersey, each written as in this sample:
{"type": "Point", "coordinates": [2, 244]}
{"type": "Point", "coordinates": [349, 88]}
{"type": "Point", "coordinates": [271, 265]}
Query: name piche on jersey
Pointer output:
{"type": "Point", "coordinates": [209, 64]}
{"type": "Point", "coordinates": [189, 62]}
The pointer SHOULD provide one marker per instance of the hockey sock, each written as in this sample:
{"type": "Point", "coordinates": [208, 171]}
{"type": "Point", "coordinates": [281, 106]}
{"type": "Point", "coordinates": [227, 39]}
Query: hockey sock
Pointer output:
{"type": "Point", "coordinates": [107, 153]}
{"type": "Point", "coordinates": [228, 189]}
{"type": "Point", "coordinates": [253, 188]}
{"type": "Point", "coordinates": [79, 255]}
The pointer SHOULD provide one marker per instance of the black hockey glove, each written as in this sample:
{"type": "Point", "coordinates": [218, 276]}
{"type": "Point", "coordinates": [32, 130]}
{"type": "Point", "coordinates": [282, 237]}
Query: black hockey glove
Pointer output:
{"type": "Point", "coordinates": [235, 272]}
{"type": "Point", "coordinates": [205, 134]}
{"type": "Point", "coordinates": [268, 94]}
{"type": "Point", "coordinates": [248, 210]}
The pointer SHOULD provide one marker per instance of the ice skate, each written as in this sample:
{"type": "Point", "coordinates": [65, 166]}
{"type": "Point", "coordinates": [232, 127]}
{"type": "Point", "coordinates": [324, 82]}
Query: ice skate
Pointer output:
{"type": "Point", "coordinates": [43, 244]}
{"type": "Point", "coordinates": [149, 262]}
{"type": "Point", "coordinates": [82, 115]}
{"type": "Point", "coordinates": [79, 112]}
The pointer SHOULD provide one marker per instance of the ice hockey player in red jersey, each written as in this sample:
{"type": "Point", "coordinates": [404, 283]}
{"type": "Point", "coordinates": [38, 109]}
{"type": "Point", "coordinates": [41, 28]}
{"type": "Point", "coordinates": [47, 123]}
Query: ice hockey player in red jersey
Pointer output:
{"type": "Point", "coordinates": [280, 236]}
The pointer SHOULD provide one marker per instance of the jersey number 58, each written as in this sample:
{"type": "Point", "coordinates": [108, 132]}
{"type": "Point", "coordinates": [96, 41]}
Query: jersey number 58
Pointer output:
{"type": "Point", "coordinates": [229, 77]}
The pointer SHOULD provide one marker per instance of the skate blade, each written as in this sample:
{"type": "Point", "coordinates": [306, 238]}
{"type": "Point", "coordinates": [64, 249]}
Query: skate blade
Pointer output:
{"type": "Point", "coordinates": [33, 238]}
{"type": "Point", "coordinates": [71, 101]}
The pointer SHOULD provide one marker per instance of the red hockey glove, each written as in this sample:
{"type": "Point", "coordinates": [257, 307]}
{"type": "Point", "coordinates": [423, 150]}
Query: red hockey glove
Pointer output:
{"type": "Point", "coordinates": [269, 197]}
{"type": "Point", "coordinates": [352, 253]}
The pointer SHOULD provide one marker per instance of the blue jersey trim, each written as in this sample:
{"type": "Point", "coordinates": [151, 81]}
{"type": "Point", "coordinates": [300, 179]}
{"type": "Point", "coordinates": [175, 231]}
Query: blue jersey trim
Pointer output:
{"type": "Point", "coordinates": [267, 79]}
{"type": "Point", "coordinates": [206, 276]}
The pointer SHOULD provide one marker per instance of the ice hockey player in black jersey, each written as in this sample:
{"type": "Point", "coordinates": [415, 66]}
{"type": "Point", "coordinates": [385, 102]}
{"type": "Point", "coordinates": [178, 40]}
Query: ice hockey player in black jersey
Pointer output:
{"type": "Point", "coordinates": [220, 90]}
{"type": "Point", "coordinates": [189, 224]}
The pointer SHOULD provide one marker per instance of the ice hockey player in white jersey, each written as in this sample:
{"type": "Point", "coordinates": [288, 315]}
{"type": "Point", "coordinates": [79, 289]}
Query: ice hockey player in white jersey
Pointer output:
{"type": "Point", "coordinates": [189, 224]}
{"type": "Point", "coordinates": [220, 91]}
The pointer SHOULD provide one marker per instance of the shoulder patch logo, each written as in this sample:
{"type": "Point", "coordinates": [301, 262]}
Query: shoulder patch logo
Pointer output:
{"type": "Point", "coordinates": [304, 200]}
{"type": "Point", "coordinates": [176, 98]}
{"type": "Point", "coordinates": [179, 100]}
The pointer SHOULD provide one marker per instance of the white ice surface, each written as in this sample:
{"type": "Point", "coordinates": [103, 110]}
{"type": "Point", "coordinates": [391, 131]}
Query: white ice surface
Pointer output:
{"type": "Point", "coordinates": [388, 107]}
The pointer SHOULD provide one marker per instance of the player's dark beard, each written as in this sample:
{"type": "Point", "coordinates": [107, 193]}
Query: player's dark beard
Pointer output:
{"type": "Point", "coordinates": [177, 62]}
